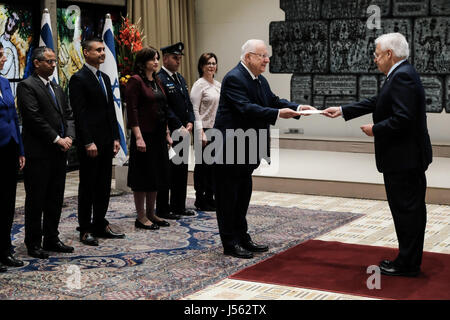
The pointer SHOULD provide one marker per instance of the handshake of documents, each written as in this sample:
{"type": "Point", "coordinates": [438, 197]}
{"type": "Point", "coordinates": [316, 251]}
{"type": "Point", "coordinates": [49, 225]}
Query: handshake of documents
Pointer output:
{"type": "Point", "coordinates": [305, 110]}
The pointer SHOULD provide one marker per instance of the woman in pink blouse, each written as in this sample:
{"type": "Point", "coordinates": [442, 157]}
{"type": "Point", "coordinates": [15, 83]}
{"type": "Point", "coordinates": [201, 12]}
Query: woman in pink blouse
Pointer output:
{"type": "Point", "coordinates": [205, 94]}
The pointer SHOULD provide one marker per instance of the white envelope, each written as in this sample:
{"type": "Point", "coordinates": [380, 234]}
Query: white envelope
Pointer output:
{"type": "Point", "coordinates": [172, 153]}
{"type": "Point", "coordinates": [311, 112]}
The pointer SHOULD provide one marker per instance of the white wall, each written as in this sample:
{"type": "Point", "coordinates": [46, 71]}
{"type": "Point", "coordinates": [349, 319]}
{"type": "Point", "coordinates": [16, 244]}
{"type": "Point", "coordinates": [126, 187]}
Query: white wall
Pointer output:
{"type": "Point", "coordinates": [222, 27]}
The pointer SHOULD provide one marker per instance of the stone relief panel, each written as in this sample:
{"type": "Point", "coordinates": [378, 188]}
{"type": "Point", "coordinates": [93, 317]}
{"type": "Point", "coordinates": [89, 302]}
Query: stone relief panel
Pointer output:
{"type": "Point", "coordinates": [352, 44]}
{"type": "Point", "coordinates": [432, 45]}
{"type": "Point", "coordinates": [440, 7]}
{"type": "Point", "coordinates": [300, 47]}
{"type": "Point", "coordinates": [333, 9]}
{"type": "Point", "coordinates": [403, 8]}
{"type": "Point", "coordinates": [434, 93]}
{"type": "Point", "coordinates": [328, 47]}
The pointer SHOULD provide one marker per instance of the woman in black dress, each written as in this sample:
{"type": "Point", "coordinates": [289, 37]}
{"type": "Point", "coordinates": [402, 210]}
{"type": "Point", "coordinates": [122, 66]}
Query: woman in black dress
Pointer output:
{"type": "Point", "coordinates": [147, 118]}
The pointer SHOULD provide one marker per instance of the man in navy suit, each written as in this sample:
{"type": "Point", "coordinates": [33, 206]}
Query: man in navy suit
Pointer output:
{"type": "Point", "coordinates": [402, 148]}
{"type": "Point", "coordinates": [181, 119]}
{"type": "Point", "coordinates": [246, 105]}
{"type": "Point", "coordinates": [97, 131]}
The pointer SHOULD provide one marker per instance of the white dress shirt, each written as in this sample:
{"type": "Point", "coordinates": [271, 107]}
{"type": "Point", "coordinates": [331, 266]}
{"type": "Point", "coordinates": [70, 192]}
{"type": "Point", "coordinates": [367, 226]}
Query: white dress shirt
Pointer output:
{"type": "Point", "coordinates": [45, 81]}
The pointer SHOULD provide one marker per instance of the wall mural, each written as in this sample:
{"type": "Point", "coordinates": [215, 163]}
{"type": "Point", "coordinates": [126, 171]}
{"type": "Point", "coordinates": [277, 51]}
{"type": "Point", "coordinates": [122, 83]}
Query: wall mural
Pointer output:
{"type": "Point", "coordinates": [16, 36]}
{"type": "Point", "coordinates": [328, 45]}
{"type": "Point", "coordinates": [75, 26]}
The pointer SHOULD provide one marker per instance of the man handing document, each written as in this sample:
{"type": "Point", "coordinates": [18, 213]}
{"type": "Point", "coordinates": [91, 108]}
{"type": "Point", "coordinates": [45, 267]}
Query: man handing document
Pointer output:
{"type": "Point", "coordinates": [402, 147]}
{"type": "Point", "coordinates": [247, 108]}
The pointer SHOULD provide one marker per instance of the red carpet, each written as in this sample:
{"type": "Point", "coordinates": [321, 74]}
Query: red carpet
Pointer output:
{"type": "Point", "coordinates": [342, 268]}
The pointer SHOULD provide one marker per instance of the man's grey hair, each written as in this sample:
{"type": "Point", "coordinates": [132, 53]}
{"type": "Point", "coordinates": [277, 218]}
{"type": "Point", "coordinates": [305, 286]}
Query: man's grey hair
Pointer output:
{"type": "Point", "coordinates": [395, 42]}
{"type": "Point", "coordinates": [250, 46]}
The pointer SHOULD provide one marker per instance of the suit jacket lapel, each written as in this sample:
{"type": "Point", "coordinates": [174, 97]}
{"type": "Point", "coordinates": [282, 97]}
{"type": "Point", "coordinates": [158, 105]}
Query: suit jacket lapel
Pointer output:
{"type": "Point", "coordinates": [94, 79]}
{"type": "Point", "coordinates": [49, 96]}
{"type": "Point", "coordinates": [255, 91]}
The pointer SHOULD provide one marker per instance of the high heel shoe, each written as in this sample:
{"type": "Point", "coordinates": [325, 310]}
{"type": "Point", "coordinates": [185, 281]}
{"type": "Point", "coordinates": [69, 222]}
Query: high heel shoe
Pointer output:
{"type": "Point", "coordinates": [140, 225]}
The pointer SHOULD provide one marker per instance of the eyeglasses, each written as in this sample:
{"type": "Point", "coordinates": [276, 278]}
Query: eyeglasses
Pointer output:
{"type": "Point", "coordinates": [213, 64]}
{"type": "Point", "coordinates": [51, 61]}
{"type": "Point", "coordinates": [377, 55]}
{"type": "Point", "coordinates": [262, 56]}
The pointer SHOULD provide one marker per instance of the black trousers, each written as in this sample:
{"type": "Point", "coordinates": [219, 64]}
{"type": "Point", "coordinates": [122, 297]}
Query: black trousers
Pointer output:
{"type": "Point", "coordinates": [45, 181]}
{"type": "Point", "coordinates": [204, 178]}
{"type": "Point", "coordinates": [178, 190]}
{"type": "Point", "coordinates": [94, 189]}
{"type": "Point", "coordinates": [178, 178]}
{"type": "Point", "coordinates": [9, 165]}
{"type": "Point", "coordinates": [233, 193]}
{"type": "Point", "coordinates": [406, 197]}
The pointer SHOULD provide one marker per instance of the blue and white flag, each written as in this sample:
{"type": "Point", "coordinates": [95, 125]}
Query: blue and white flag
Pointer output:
{"type": "Point", "coordinates": [110, 68]}
{"type": "Point", "coordinates": [46, 38]}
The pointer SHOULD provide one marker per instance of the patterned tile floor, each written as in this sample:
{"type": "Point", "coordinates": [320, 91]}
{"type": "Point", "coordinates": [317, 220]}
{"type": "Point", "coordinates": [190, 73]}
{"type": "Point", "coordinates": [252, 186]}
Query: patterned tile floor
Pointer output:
{"type": "Point", "coordinates": [374, 228]}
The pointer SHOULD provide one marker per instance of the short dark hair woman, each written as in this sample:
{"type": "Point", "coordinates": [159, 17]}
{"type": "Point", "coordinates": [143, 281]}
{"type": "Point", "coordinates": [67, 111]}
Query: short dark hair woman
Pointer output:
{"type": "Point", "coordinates": [147, 118]}
{"type": "Point", "coordinates": [205, 94]}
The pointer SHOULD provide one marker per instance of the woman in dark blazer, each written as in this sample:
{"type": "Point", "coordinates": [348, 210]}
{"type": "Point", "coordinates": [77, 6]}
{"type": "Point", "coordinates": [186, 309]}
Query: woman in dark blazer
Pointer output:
{"type": "Point", "coordinates": [11, 159]}
{"type": "Point", "coordinates": [147, 118]}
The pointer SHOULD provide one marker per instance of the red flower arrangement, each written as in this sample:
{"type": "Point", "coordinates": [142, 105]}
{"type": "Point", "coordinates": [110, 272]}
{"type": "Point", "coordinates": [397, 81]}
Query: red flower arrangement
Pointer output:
{"type": "Point", "coordinates": [129, 41]}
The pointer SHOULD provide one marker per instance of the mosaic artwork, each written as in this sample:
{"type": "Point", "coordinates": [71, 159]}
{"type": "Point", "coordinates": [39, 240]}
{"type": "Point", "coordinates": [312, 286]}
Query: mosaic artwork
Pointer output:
{"type": "Point", "coordinates": [16, 36]}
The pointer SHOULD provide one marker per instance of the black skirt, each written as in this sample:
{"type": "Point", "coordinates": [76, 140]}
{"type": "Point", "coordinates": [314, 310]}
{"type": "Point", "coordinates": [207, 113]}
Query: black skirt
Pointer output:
{"type": "Point", "coordinates": [149, 171]}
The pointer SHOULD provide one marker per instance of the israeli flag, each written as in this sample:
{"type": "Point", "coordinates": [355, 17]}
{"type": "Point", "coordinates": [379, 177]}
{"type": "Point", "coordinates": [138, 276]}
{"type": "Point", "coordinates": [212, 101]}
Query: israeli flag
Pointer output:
{"type": "Point", "coordinates": [110, 68]}
{"type": "Point", "coordinates": [46, 38]}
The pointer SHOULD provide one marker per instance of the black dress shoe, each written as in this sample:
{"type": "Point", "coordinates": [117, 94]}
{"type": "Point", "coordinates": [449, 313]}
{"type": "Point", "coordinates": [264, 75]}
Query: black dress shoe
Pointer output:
{"type": "Point", "coordinates": [37, 252]}
{"type": "Point", "coordinates": [186, 212]}
{"type": "Point", "coordinates": [10, 261]}
{"type": "Point", "coordinates": [169, 215]}
{"type": "Point", "coordinates": [3, 269]}
{"type": "Point", "coordinates": [238, 252]}
{"type": "Point", "coordinates": [57, 246]}
{"type": "Point", "coordinates": [253, 247]}
{"type": "Point", "coordinates": [109, 234]}
{"type": "Point", "coordinates": [394, 270]}
{"type": "Point", "coordinates": [203, 206]}
{"type": "Point", "coordinates": [140, 225]}
{"type": "Point", "coordinates": [386, 263]}
{"type": "Point", "coordinates": [88, 239]}
{"type": "Point", "coordinates": [161, 223]}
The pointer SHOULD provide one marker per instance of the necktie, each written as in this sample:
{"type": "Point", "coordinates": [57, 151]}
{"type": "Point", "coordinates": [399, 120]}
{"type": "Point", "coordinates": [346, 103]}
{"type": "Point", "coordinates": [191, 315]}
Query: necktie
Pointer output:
{"type": "Point", "coordinates": [258, 90]}
{"type": "Point", "coordinates": [100, 79]}
{"type": "Point", "coordinates": [61, 133]}
{"type": "Point", "coordinates": [175, 78]}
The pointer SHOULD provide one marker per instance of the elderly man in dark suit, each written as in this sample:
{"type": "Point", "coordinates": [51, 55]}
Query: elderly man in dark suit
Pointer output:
{"type": "Point", "coordinates": [402, 148]}
{"type": "Point", "coordinates": [180, 118]}
{"type": "Point", "coordinates": [48, 131]}
{"type": "Point", "coordinates": [97, 131]}
{"type": "Point", "coordinates": [246, 104]}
